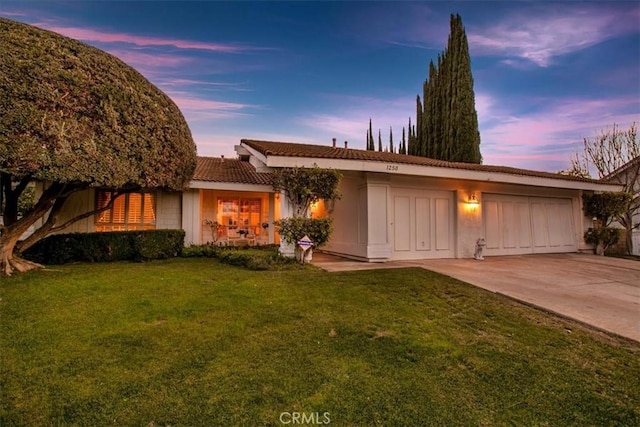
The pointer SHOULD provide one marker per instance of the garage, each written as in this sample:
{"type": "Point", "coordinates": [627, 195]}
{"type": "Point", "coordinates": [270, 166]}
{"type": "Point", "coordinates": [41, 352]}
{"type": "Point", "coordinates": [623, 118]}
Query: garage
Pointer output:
{"type": "Point", "coordinates": [422, 224]}
{"type": "Point", "coordinates": [517, 225]}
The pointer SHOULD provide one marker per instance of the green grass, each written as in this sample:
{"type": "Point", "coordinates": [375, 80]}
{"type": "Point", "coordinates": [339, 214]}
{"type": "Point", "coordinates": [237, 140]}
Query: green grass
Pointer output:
{"type": "Point", "coordinates": [197, 343]}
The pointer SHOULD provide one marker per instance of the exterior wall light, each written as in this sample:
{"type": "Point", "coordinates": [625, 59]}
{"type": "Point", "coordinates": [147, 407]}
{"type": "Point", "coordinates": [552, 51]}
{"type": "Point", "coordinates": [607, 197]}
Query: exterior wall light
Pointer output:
{"type": "Point", "coordinates": [472, 200]}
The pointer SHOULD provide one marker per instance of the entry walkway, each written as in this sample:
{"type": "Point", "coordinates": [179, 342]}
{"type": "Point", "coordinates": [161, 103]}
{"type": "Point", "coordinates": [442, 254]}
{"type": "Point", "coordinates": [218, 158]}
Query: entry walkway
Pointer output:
{"type": "Point", "coordinates": [600, 291]}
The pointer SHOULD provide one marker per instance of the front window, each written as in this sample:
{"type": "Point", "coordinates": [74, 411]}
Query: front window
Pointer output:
{"type": "Point", "coordinates": [239, 213]}
{"type": "Point", "coordinates": [131, 211]}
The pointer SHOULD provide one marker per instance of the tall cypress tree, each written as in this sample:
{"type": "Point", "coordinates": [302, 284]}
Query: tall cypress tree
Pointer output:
{"type": "Point", "coordinates": [412, 143]}
{"type": "Point", "coordinates": [446, 118]}
{"type": "Point", "coordinates": [379, 140]}
{"type": "Point", "coordinates": [391, 147]}
{"type": "Point", "coordinates": [370, 144]}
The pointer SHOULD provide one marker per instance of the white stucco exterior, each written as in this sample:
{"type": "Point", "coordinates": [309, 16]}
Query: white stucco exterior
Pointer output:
{"type": "Point", "coordinates": [395, 211]}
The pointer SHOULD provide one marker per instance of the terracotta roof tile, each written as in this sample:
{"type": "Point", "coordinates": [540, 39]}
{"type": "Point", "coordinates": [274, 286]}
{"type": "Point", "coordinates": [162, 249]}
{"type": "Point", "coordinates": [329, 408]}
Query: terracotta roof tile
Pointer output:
{"type": "Point", "coordinates": [215, 169]}
{"type": "Point", "coordinates": [289, 149]}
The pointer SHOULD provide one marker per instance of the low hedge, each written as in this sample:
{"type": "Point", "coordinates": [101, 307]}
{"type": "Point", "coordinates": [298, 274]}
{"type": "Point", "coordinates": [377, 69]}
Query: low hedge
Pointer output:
{"type": "Point", "coordinates": [264, 257]}
{"type": "Point", "coordinates": [105, 247]}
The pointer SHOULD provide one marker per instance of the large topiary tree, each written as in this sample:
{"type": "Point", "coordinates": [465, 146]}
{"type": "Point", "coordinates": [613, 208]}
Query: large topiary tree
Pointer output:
{"type": "Point", "coordinates": [74, 117]}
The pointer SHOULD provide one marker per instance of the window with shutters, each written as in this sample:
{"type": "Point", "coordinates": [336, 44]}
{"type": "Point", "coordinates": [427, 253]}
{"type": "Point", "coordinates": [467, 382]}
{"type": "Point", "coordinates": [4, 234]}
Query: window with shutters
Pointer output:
{"type": "Point", "coordinates": [132, 211]}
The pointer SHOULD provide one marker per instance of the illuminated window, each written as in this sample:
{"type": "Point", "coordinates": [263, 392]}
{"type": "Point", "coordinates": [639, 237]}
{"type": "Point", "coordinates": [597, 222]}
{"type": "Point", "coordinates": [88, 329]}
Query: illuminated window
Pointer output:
{"type": "Point", "coordinates": [240, 213]}
{"type": "Point", "coordinates": [132, 211]}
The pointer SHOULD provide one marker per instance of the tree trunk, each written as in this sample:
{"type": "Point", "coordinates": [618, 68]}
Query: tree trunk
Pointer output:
{"type": "Point", "coordinates": [10, 234]}
{"type": "Point", "coordinates": [8, 260]}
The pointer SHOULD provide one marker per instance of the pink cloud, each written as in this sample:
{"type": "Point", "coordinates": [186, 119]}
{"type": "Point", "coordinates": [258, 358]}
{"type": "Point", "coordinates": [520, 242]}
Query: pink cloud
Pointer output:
{"type": "Point", "coordinates": [192, 82]}
{"type": "Point", "coordinates": [89, 34]}
{"type": "Point", "coordinates": [546, 139]}
{"type": "Point", "coordinates": [198, 109]}
{"type": "Point", "coordinates": [140, 60]}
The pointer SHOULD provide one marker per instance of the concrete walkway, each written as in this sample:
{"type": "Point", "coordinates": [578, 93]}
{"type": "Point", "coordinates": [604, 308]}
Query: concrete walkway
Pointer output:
{"type": "Point", "coordinates": [603, 292]}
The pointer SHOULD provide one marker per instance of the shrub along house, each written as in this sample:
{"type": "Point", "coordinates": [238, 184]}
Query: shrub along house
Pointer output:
{"type": "Point", "coordinates": [393, 206]}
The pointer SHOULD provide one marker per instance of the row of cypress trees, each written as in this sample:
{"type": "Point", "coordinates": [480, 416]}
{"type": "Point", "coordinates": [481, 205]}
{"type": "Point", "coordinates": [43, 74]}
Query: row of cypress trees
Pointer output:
{"type": "Point", "coordinates": [402, 147]}
{"type": "Point", "coordinates": [446, 119]}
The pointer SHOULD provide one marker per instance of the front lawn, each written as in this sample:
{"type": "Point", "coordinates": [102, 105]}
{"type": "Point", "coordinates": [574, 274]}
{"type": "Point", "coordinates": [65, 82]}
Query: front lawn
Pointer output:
{"type": "Point", "coordinates": [192, 342]}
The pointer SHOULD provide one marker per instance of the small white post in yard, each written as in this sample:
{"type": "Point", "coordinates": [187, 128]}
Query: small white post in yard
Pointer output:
{"type": "Point", "coordinates": [304, 244]}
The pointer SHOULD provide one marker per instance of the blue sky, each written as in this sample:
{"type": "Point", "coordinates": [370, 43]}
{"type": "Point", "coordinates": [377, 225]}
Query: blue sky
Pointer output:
{"type": "Point", "coordinates": [546, 74]}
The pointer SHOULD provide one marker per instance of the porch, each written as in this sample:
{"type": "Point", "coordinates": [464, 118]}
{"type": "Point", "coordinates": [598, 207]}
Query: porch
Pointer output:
{"type": "Point", "coordinates": [231, 218]}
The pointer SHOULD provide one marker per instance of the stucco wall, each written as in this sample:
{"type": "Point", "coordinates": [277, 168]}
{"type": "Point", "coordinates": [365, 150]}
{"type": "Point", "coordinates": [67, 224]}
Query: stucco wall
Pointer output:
{"type": "Point", "coordinates": [168, 210]}
{"type": "Point", "coordinates": [350, 218]}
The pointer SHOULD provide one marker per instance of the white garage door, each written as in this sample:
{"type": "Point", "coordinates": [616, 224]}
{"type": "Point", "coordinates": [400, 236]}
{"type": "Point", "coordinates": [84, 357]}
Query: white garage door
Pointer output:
{"type": "Point", "coordinates": [422, 224]}
{"type": "Point", "coordinates": [523, 225]}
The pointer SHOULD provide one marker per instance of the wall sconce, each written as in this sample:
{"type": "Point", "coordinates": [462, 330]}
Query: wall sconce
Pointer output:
{"type": "Point", "coordinates": [472, 200]}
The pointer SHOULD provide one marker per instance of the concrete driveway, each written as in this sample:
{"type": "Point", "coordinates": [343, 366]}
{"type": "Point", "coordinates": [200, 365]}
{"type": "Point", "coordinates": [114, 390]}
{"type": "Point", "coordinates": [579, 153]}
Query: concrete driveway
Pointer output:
{"type": "Point", "coordinates": [601, 291]}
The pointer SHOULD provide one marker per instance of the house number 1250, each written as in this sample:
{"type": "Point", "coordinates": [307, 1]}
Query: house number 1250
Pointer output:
{"type": "Point", "coordinates": [392, 167]}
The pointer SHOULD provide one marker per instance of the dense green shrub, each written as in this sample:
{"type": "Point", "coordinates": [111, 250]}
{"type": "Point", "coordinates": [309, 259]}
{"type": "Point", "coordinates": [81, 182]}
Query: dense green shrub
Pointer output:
{"type": "Point", "coordinates": [263, 257]}
{"type": "Point", "coordinates": [293, 229]}
{"type": "Point", "coordinates": [606, 206]}
{"type": "Point", "coordinates": [200, 251]}
{"type": "Point", "coordinates": [106, 247]}
{"type": "Point", "coordinates": [602, 237]}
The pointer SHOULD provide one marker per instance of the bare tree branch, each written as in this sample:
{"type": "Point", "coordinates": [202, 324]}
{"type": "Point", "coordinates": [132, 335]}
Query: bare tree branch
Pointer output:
{"type": "Point", "coordinates": [614, 154]}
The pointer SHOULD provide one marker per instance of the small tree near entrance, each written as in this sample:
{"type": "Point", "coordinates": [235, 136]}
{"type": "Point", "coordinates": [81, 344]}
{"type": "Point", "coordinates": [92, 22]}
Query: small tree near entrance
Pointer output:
{"type": "Point", "coordinates": [304, 187]}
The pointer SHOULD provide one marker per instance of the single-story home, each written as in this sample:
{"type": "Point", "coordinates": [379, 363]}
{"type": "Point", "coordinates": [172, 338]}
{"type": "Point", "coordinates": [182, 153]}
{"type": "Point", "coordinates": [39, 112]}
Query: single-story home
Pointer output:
{"type": "Point", "coordinates": [393, 206]}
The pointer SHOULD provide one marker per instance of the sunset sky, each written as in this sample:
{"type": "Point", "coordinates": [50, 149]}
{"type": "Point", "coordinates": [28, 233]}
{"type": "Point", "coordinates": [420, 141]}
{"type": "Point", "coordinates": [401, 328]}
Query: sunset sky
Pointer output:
{"type": "Point", "coordinates": [546, 74]}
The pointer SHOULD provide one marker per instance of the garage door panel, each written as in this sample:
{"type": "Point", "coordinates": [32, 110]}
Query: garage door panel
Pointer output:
{"type": "Point", "coordinates": [540, 225]}
{"type": "Point", "coordinates": [524, 225]}
{"type": "Point", "coordinates": [423, 224]}
{"type": "Point", "coordinates": [492, 222]}
{"type": "Point", "coordinates": [554, 221]}
{"type": "Point", "coordinates": [402, 222]}
{"type": "Point", "coordinates": [443, 224]}
{"type": "Point", "coordinates": [566, 225]}
{"type": "Point", "coordinates": [509, 225]}
{"type": "Point", "coordinates": [521, 225]}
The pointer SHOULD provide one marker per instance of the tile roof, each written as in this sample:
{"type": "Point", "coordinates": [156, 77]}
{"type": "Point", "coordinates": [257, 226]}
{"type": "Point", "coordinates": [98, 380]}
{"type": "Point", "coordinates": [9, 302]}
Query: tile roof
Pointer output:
{"type": "Point", "coordinates": [215, 169]}
{"type": "Point", "coordinates": [289, 149]}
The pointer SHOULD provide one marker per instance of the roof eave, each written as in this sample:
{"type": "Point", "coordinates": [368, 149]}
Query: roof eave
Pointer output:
{"type": "Point", "coordinates": [436, 172]}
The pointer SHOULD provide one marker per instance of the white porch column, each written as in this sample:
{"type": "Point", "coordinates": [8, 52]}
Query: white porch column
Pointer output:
{"type": "Point", "coordinates": [286, 211]}
{"type": "Point", "coordinates": [191, 221]}
{"type": "Point", "coordinates": [272, 228]}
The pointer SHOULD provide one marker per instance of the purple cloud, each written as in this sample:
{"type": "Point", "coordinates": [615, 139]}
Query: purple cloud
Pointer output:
{"type": "Point", "coordinates": [539, 38]}
{"type": "Point", "coordinates": [94, 35]}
